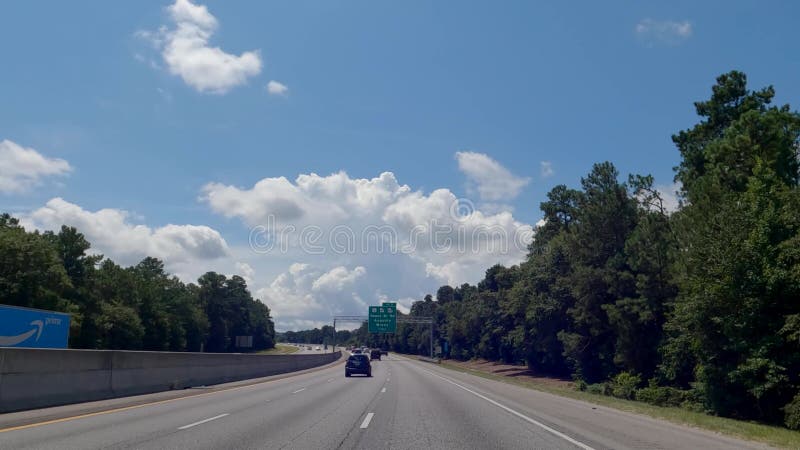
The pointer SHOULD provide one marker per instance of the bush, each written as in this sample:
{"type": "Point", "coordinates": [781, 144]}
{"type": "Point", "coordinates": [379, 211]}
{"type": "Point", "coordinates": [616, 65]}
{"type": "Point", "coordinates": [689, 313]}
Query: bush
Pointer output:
{"type": "Point", "coordinates": [599, 389]}
{"type": "Point", "coordinates": [662, 395]}
{"type": "Point", "coordinates": [624, 385]}
{"type": "Point", "coordinates": [791, 413]}
{"type": "Point", "coordinates": [581, 385]}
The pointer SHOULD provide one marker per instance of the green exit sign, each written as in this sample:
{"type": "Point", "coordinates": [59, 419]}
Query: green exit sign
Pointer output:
{"type": "Point", "coordinates": [383, 318]}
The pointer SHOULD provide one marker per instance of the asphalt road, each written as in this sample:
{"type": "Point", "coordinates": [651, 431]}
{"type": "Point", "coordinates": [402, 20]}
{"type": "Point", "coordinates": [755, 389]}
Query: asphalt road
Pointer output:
{"type": "Point", "coordinates": [407, 404]}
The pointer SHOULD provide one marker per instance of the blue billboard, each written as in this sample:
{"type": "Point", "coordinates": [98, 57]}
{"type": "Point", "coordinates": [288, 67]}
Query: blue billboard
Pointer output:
{"type": "Point", "coordinates": [33, 328]}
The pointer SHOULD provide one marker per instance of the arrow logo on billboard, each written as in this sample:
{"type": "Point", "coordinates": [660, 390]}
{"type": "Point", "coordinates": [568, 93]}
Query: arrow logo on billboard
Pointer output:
{"type": "Point", "coordinates": [7, 341]}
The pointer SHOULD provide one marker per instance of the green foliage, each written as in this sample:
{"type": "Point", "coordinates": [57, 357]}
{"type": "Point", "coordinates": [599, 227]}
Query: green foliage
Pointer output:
{"type": "Point", "coordinates": [135, 308]}
{"type": "Point", "coordinates": [792, 413]}
{"type": "Point", "coordinates": [624, 385]}
{"type": "Point", "coordinates": [662, 395]}
{"type": "Point", "coordinates": [599, 388]}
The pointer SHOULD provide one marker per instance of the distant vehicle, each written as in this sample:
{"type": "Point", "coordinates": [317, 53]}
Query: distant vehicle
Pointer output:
{"type": "Point", "coordinates": [357, 364]}
{"type": "Point", "coordinates": [385, 352]}
{"type": "Point", "coordinates": [308, 348]}
{"type": "Point", "coordinates": [375, 354]}
{"type": "Point", "coordinates": [318, 348]}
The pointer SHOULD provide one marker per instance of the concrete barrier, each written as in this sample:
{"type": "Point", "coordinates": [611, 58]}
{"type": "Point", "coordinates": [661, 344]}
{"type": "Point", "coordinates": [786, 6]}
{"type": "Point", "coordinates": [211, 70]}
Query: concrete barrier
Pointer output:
{"type": "Point", "coordinates": [37, 378]}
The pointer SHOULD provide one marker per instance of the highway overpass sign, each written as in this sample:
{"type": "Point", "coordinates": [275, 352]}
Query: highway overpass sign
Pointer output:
{"type": "Point", "coordinates": [383, 318]}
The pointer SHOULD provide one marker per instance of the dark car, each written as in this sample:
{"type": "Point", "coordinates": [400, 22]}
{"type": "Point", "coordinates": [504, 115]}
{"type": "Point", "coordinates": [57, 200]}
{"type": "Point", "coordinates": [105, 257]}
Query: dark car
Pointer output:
{"type": "Point", "coordinates": [375, 354]}
{"type": "Point", "coordinates": [358, 364]}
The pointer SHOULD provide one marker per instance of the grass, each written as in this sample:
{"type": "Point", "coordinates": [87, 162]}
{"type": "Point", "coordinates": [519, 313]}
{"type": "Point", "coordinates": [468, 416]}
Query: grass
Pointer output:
{"type": "Point", "coordinates": [771, 435]}
{"type": "Point", "coordinates": [280, 349]}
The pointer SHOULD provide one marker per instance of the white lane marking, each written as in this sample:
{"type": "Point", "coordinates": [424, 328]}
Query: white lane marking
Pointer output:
{"type": "Point", "coordinates": [299, 390]}
{"type": "Point", "coordinates": [330, 379]}
{"type": "Point", "coordinates": [387, 378]}
{"type": "Point", "coordinates": [383, 390]}
{"type": "Point", "coordinates": [203, 421]}
{"type": "Point", "coordinates": [518, 414]}
{"type": "Point", "coordinates": [367, 420]}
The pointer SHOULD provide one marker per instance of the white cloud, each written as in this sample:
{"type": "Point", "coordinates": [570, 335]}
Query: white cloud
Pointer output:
{"type": "Point", "coordinates": [546, 169]}
{"type": "Point", "coordinates": [245, 271]}
{"type": "Point", "coordinates": [493, 181]}
{"type": "Point", "coordinates": [22, 168]}
{"type": "Point", "coordinates": [111, 233]}
{"type": "Point", "coordinates": [669, 196]}
{"type": "Point", "coordinates": [187, 53]}
{"type": "Point", "coordinates": [374, 240]}
{"type": "Point", "coordinates": [277, 88]}
{"type": "Point", "coordinates": [338, 279]}
{"type": "Point", "coordinates": [663, 31]}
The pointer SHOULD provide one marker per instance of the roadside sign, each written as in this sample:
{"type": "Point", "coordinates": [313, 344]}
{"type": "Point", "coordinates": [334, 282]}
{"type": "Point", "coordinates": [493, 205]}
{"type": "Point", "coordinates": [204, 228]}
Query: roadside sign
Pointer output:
{"type": "Point", "coordinates": [33, 328]}
{"type": "Point", "coordinates": [383, 318]}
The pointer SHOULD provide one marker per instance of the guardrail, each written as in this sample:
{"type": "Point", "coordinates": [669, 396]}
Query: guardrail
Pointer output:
{"type": "Point", "coordinates": [37, 378]}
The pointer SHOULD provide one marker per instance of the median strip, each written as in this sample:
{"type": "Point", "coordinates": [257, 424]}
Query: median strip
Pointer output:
{"type": "Point", "coordinates": [367, 420]}
{"type": "Point", "coordinates": [203, 421]}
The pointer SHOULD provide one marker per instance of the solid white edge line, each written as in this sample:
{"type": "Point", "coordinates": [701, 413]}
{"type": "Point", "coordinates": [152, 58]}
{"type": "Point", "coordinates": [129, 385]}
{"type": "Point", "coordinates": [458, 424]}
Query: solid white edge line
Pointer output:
{"type": "Point", "coordinates": [299, 390]}
{"type": "Point", "coordinates": [518, 414]}
{"type": "Point", "coordinates": [367, 420]}
{"type": "Point", "coordinates": [383, 390]}
{"type": "Point", "coordinates": [202, 421]}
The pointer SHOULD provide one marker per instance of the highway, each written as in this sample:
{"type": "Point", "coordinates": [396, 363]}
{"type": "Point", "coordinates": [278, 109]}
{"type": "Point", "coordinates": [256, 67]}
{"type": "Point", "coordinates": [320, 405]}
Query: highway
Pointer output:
{"type": "Point", "coordinates": [407, 404]}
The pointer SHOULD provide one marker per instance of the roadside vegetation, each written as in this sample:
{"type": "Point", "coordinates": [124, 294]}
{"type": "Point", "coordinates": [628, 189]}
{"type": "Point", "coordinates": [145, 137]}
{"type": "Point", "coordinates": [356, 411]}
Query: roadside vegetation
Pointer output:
{"type": "Point", "coordinates": [768, 434]}
{"type": "Point", "coordinates": [691, 303]}
{"type": "Point", "coordinates": [141, 307]}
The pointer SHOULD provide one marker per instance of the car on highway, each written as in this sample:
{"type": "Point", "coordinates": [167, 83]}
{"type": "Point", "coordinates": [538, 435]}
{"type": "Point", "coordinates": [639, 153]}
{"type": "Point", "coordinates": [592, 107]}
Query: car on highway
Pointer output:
{"type": "Point", "coordinates": [357, 364]}
{"type": "Point", "coordinates": [375, 354]}
{"type": "Point", "coordinates": [318, 348]}
{"type": "Point", "coordinates": [356, 351]}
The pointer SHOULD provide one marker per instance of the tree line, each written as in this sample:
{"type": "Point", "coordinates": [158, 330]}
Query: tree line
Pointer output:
{"type": "Point", "coordinates": [141, 307]}
{"type": "Point", "coordinates": [699, 307]}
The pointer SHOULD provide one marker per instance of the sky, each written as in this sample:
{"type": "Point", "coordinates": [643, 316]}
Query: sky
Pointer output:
{"type": "Point", "coordinates": [338, 154]}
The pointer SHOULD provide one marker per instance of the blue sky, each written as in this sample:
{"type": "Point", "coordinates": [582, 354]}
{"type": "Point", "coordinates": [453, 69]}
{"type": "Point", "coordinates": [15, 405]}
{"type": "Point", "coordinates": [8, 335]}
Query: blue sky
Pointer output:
{"type": "Point", "coordinates": [371, 87]}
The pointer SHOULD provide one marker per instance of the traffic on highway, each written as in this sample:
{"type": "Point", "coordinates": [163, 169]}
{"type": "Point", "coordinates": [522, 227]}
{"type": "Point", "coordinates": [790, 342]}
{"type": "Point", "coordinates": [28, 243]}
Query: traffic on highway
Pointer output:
{"type": "Point", "coordinates": [405, 404]}
{"type": "Point", "coordinates": [441, 224]}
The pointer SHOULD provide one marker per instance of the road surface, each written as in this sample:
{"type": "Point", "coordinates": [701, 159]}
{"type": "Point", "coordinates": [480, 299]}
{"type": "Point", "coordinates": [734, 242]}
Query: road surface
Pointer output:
{"type": "Point", "coordinates": [407, 404]}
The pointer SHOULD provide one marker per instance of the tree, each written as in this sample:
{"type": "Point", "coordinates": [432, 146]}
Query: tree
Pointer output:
{"type": "Point", "coordinates": [31, 273]}
{"type": "Point", "coordinates": [738, 266]}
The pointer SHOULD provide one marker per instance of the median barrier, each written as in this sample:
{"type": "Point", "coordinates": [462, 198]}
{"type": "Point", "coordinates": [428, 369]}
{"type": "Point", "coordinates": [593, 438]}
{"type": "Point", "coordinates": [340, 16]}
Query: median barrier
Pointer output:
{"type": "Point", "coordinates": [37, 378]}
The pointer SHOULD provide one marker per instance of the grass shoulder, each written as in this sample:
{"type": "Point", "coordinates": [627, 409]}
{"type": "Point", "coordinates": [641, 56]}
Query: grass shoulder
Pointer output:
{"type": "Point", "coordinates": [280, 349]}
{"type": "Point", "coordinates": [771, 435]}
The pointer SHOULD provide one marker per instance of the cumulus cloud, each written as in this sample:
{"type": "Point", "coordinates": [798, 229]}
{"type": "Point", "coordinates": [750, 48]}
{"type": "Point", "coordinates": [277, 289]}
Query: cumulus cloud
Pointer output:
{"type": "Point", "coordinates": [22, 168]}
{"type": "Point", "coordinates": [111, 233]}
{"type": "Point", "coordinates": [245, 271]}
{"type": "Point", "coordinates": [346, 243]}
{"type": "Point", "coordinates": [546, 169]}
{"type": "Point", "coordinates": [663, 31]}
{"type": "Point", "coordinates": [305, 296]}
{"type": "Point", "coordinates": [492, 181]}
{"type": "Point", "coordinates": [669, 196]}
{"type": "Point", "coordinates": [277, 88]}
{"type": "Point", "coordinates": [187, 52]}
